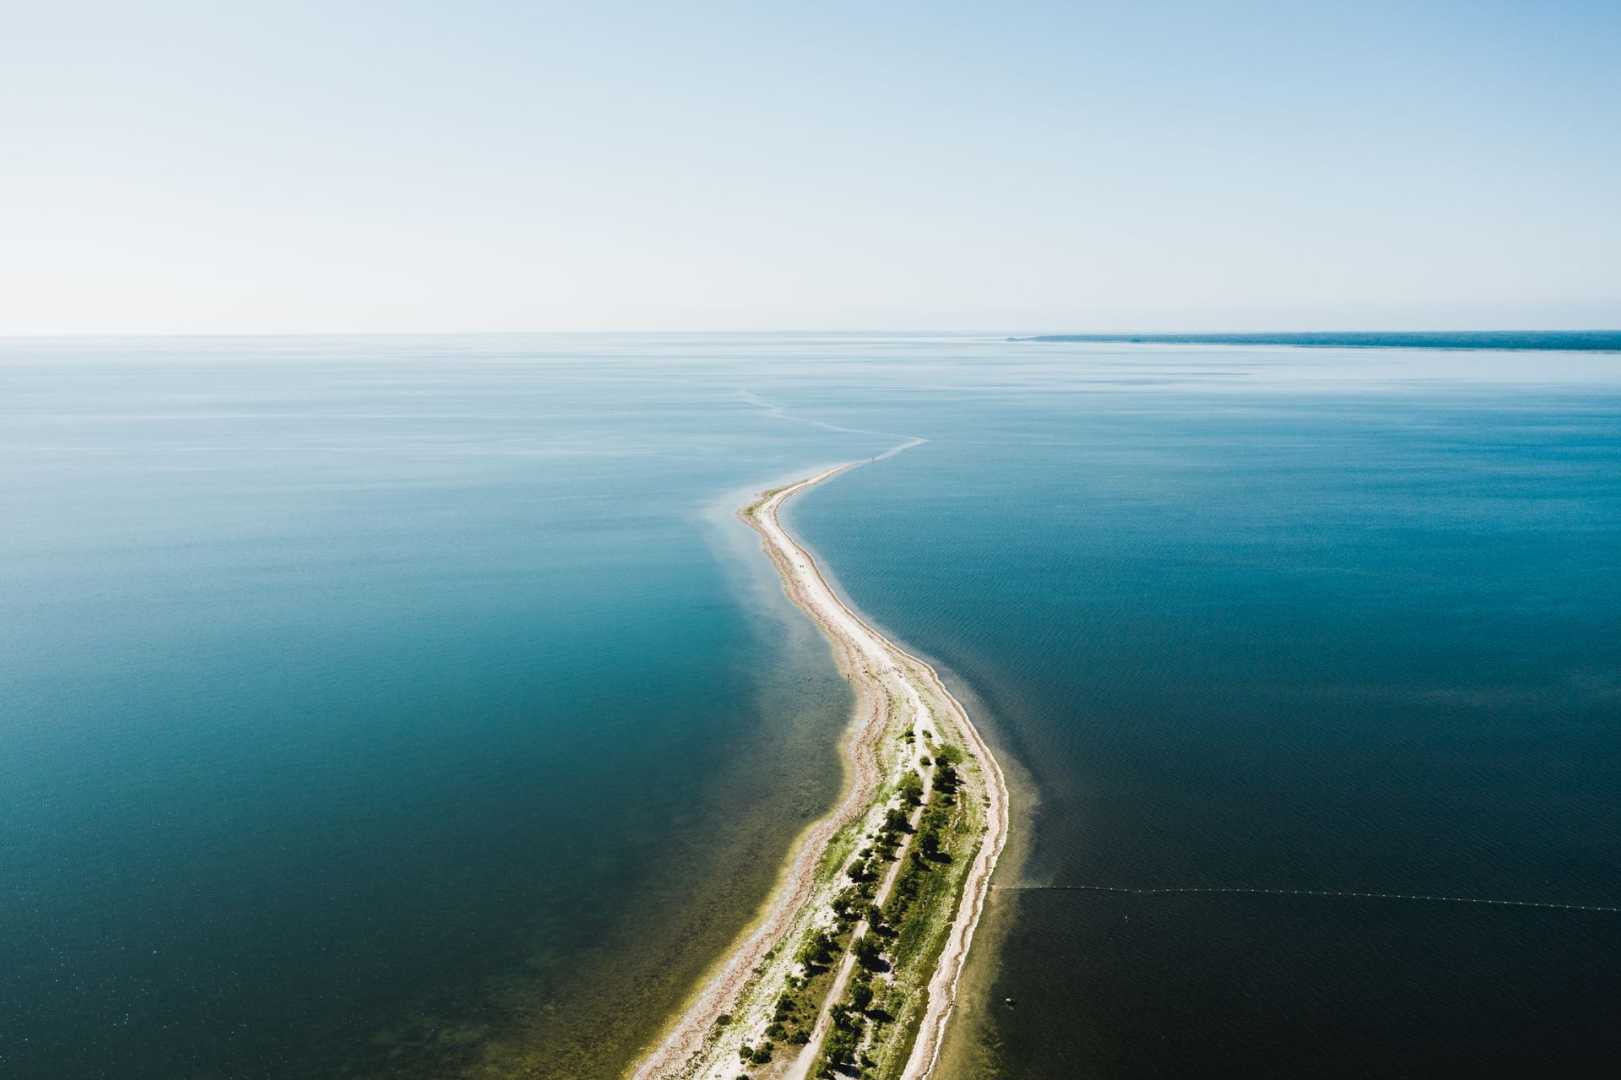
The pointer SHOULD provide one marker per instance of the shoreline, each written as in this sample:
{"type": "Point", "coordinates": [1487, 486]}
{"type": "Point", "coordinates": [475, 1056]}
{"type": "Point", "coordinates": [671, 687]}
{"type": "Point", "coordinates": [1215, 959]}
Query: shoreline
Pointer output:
{"type": "Point", "coordinates": [690, 1042]}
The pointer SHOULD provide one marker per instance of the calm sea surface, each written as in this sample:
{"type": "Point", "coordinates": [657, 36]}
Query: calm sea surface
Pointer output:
{"type": "Point", "coordinates": [414, 707]}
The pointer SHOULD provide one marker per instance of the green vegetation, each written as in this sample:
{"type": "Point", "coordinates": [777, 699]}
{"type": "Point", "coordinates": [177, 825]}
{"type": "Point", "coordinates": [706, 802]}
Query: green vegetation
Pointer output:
{"type": "Point", "coordinates": [920, 836]}
{"type": "Point", "coordinates": [874, 1024]}
{"type": "Point", "coordinates": [911, 788]}
{"type": "Point", "coordinates": [757, 1055]}
{"type": "Point", "coordinates": [838, 850]}
{"type": "Point", "coordinates": [818, 952]}
{"type": "Point", "coordinates": [869, 954]}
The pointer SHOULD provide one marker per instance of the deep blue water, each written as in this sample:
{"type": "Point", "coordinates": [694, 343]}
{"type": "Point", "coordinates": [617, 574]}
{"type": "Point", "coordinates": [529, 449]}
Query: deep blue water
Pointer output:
{"type": "Point", "coordinates": [1317, 634]}
{"type": "Point", "coordinates": [376, 706]}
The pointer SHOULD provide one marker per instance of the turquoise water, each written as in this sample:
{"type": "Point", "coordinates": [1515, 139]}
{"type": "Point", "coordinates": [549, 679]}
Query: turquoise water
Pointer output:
{"type": "Point", "coordinates": [413, 707]}
{"type": "Point", "coordinates": [371, 706]}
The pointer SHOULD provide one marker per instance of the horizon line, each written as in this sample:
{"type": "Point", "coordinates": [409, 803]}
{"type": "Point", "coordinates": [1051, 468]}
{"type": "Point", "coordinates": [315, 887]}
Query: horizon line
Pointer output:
{"type": "Point", "coordinates": [1004, 332]}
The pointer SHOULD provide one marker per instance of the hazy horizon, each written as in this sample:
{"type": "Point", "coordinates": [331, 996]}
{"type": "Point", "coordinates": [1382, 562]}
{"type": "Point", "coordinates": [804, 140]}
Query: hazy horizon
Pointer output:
{"type": "Point", "coordinates": [1181, 336]}
{"type": "Point", "coordinates": [542, 168]}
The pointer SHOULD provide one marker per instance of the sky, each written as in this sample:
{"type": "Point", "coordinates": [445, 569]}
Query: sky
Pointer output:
{"type": "Point", "coordinates": [298, 167]}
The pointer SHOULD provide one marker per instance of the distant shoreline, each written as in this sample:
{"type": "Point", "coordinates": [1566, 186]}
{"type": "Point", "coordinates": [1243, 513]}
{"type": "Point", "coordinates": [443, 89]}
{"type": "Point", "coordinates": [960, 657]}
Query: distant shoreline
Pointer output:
{"type": "Point", "coordinates": [1517, 340]}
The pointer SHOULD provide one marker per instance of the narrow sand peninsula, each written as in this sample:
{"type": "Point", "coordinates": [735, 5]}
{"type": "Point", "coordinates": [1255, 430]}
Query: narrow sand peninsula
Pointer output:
{"type": "Point", "coordinates": [902, 712]}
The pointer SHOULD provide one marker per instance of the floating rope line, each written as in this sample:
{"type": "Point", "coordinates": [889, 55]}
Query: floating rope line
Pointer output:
{"type": "Point", "coordinates": [1548, 905]}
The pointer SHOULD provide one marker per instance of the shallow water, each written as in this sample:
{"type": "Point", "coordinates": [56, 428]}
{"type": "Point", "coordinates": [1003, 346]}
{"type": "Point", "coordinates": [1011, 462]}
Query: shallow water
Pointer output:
{"type": "Point", "coordinates": [381, 706]}
{"type": "Point", "coordinates": [373, 706]}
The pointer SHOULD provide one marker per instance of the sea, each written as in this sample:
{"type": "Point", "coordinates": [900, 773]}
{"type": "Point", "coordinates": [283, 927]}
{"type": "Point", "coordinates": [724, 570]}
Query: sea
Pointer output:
{"type": "Point", "coordinates": [418, 707]}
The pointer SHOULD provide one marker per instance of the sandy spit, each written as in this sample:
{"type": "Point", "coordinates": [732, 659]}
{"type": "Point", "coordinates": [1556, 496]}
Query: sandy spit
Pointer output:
{"type": "Point", "coordinates": [866, 659]}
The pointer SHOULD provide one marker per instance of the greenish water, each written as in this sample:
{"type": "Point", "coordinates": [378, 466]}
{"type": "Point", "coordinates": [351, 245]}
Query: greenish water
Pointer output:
{"type": "Point", "coordinates": [414, 707]}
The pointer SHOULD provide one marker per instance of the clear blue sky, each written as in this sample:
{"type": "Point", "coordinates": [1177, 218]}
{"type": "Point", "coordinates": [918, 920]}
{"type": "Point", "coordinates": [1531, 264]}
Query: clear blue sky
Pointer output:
{"type": "Point", "coordinates": [282, 166]}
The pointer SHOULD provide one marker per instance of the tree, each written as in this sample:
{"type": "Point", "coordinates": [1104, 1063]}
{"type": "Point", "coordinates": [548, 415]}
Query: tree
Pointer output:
{"type": "Point", "coordinates": [869, 954]}
{"type": "Point", "coordinates": [911, 788]}
{"type": "Point", "coordinates": [818, 950]}
{"type": "Point", "coordinates": [861, 995]}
